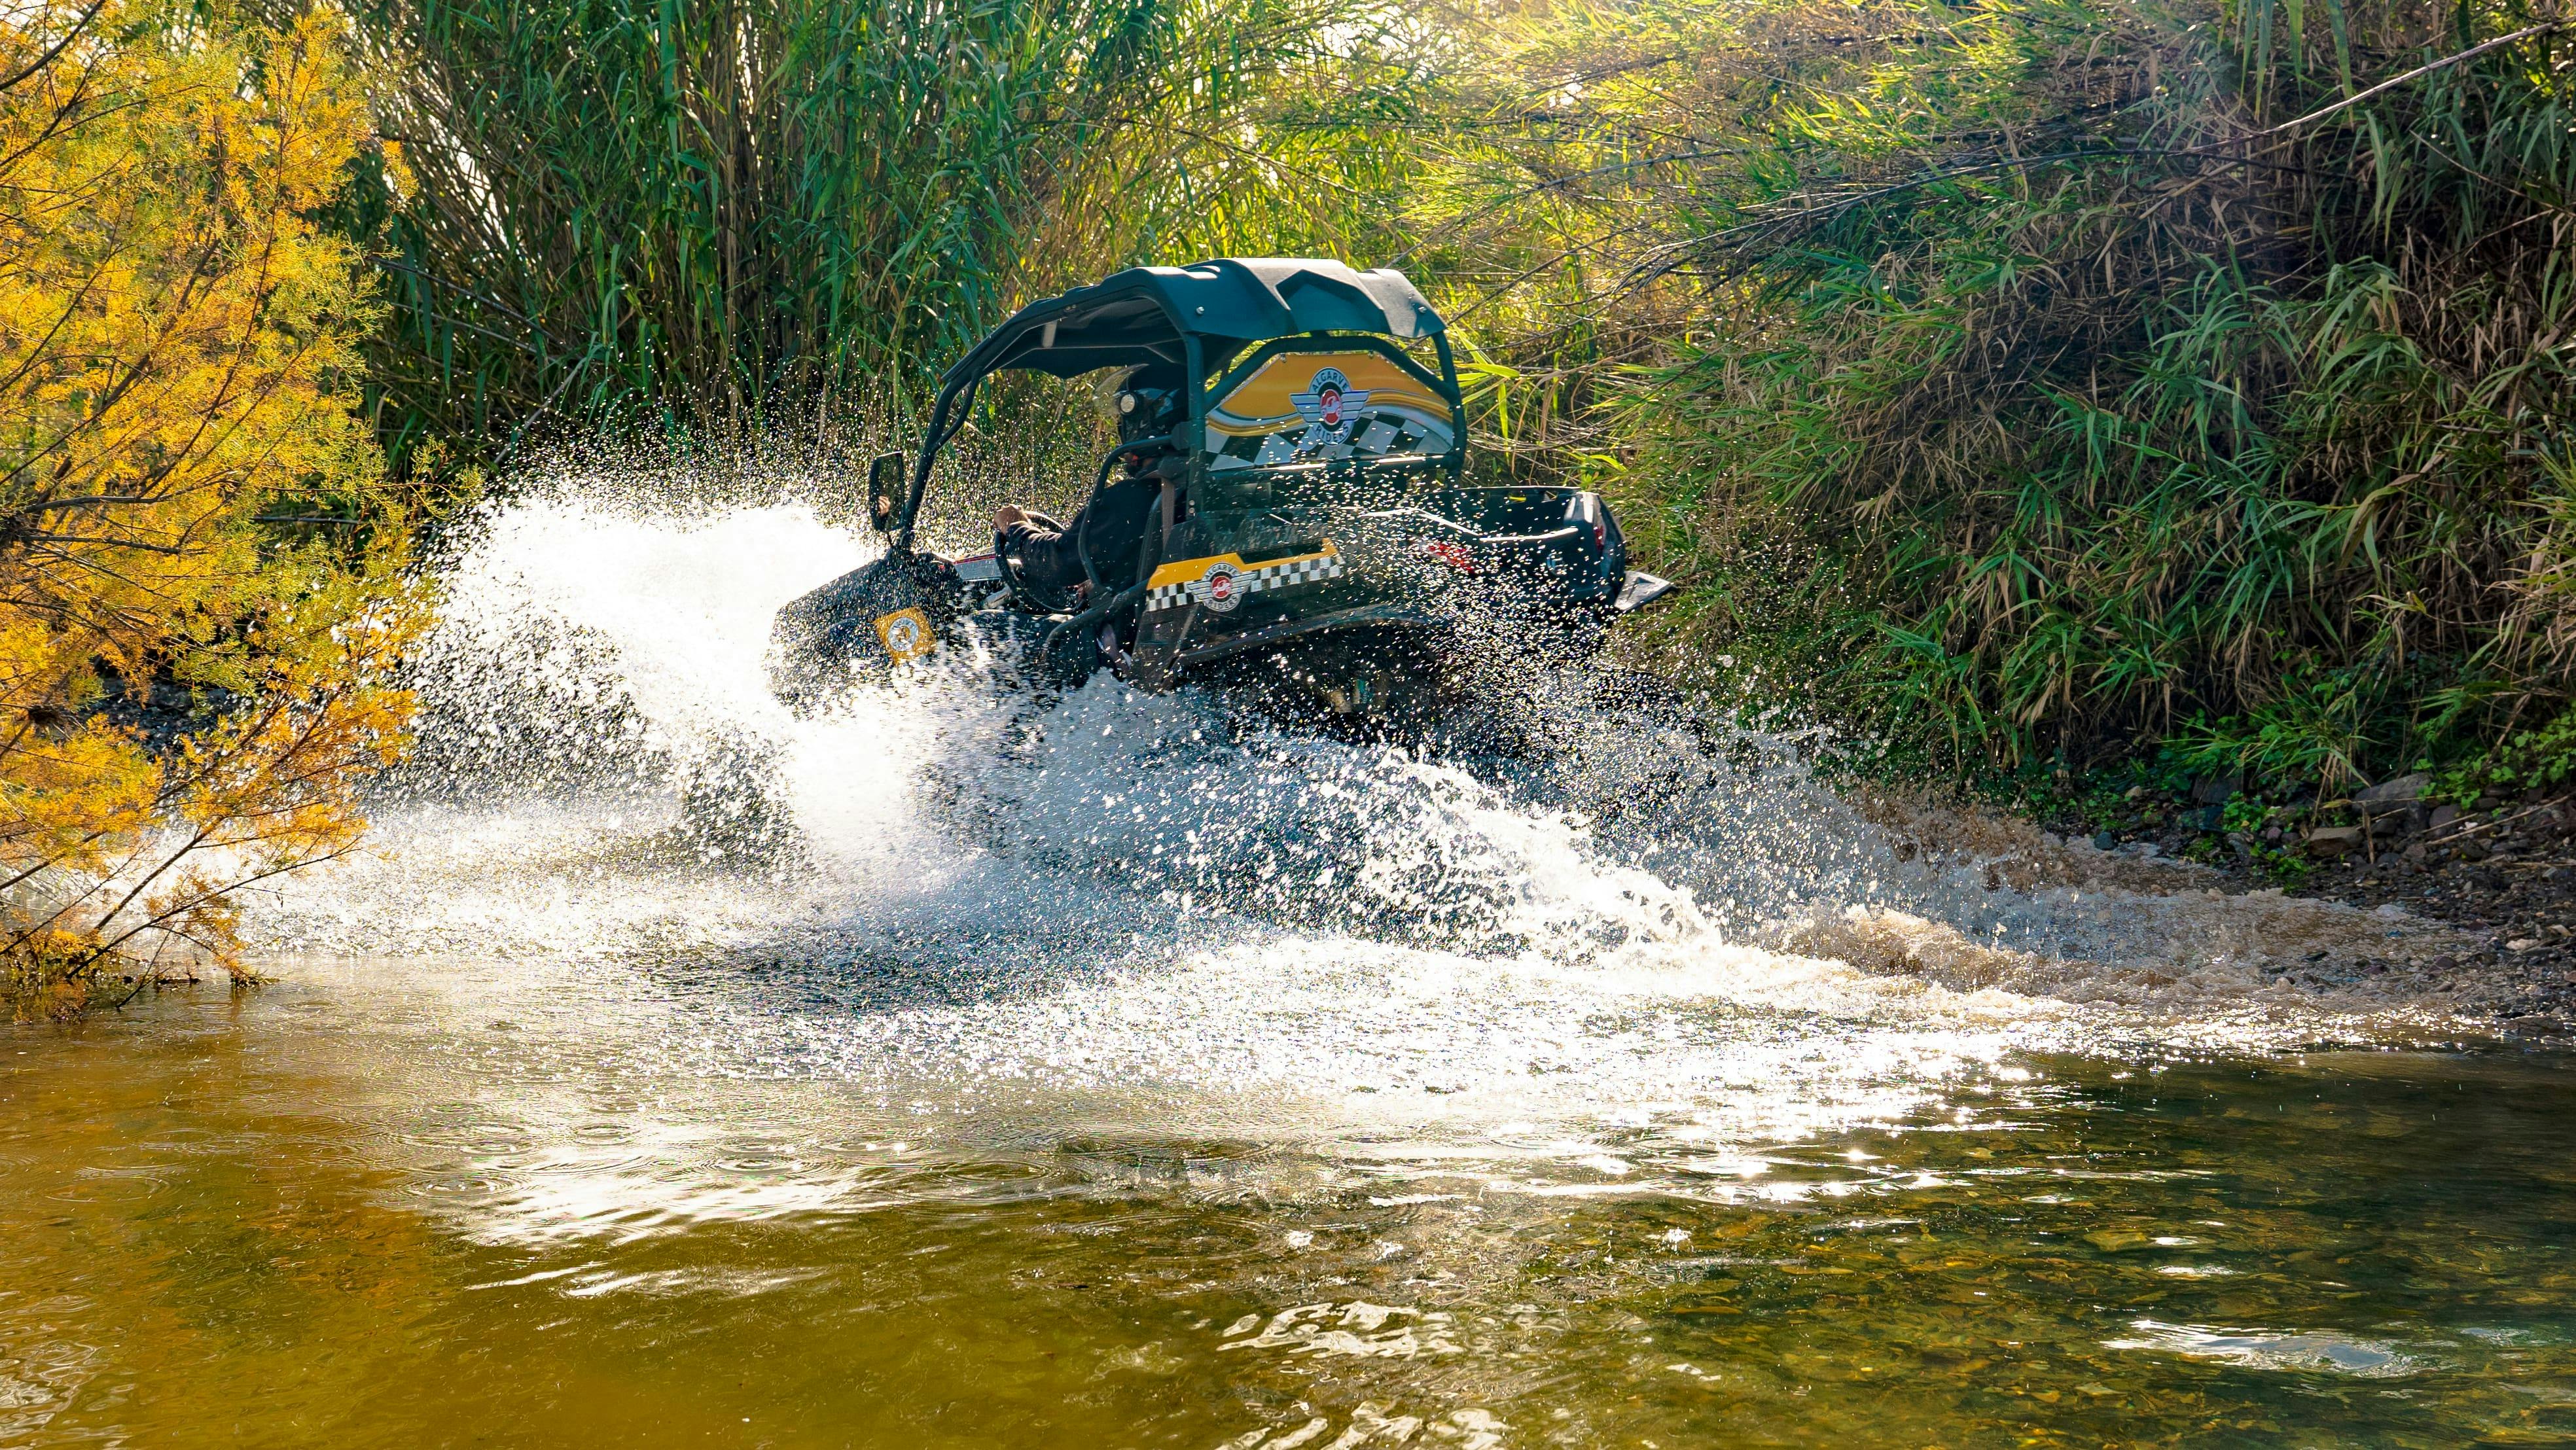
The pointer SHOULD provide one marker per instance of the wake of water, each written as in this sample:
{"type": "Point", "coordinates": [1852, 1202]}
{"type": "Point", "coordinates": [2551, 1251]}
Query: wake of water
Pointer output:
{"type": "Point", "coordinates": [955, 886]}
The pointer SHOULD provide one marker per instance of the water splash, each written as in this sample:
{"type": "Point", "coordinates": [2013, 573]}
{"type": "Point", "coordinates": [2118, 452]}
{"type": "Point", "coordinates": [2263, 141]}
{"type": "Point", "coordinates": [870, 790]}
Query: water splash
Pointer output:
{"type": "Point", "coordinates": [952, 885]}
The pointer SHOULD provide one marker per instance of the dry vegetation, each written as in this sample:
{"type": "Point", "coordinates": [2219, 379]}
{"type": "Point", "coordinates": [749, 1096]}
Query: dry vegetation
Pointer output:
{"type": "Point", "coordinates": [2046, 380]}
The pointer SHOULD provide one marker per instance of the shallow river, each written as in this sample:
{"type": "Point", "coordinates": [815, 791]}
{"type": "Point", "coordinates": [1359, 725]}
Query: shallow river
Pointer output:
{"type": "Point", "coordinates": [1114, 1079]}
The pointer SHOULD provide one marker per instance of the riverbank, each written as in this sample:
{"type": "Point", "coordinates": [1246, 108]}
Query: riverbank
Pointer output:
{"type": "Point", "coordinates": [2474, 910]}
{"type": "Point", "coordinates": [2504, 877]}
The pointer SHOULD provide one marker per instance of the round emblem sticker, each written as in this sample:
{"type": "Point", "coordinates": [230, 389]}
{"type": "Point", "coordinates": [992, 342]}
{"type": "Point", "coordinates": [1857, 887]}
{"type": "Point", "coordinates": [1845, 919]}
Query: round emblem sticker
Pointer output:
{"type": "Point", "coordinates": [905, 635]}
{"type": "Point", "coordinates": [1218, 587]}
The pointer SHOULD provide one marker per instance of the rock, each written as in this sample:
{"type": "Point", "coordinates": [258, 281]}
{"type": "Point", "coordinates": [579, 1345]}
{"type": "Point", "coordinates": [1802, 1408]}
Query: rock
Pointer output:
{"type": "Point", "coordinates": [2105, 841]}
{"type": "Point", "coordinates": [2214, 790]}
{"type": "Point", "coordinates": [2443, 816]}
{"type": "Point", "coordinates": [2334, 840]}
{"type": "Point", "coordinates": [2521, 944]}
{"type": "Point", "coordinates": [2389, 795]}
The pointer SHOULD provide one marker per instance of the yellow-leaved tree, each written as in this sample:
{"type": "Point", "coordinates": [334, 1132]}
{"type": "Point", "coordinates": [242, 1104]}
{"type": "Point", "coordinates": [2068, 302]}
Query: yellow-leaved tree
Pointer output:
{"type": "Point", "coordinates": [202, 598]}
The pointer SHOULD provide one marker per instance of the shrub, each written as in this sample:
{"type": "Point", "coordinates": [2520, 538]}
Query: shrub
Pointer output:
{"type": "Point", "coordinates": [196, 619]}
{"type": "Point", "coordinates": [2024, 382]}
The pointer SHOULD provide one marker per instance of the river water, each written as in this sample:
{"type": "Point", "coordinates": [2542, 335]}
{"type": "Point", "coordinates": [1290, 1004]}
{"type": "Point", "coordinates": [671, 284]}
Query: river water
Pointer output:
{"type": "Point", "coordinates": [1113, 1075]}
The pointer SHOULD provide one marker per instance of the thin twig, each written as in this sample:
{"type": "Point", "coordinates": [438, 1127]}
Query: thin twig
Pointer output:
{"type": "Point", "coordinates": [46, 59]}
{"type": "Point", "coordinates": [2474, 827]}
{"type": "Point", "coordinates": [2417, 73]}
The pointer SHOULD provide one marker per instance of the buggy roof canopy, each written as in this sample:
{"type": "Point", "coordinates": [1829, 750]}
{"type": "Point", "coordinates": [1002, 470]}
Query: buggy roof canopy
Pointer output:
{"type": "Point", "coordinates": [1142, 314]}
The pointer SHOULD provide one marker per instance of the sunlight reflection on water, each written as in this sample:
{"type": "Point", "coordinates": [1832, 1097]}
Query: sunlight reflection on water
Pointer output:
{"type": "Point", "coordinates": [1119, 1074]}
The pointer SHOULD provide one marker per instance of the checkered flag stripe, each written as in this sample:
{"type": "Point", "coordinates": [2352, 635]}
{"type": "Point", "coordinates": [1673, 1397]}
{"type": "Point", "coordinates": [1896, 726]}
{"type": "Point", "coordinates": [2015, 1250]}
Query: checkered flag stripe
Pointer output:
{"type": "Point", "coordinates": [1286, 574]}
{"type": "Point", "coordinates": [1314, 570]}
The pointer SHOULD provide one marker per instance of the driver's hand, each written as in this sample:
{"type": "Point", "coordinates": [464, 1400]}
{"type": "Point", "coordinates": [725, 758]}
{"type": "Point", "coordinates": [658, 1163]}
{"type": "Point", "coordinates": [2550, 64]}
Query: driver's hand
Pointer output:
{"type": "Point", "coordinates": [1007, 515]}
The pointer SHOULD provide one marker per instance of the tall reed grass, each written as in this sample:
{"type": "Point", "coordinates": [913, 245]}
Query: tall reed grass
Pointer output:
{"type": "Point", "coordinates": [697, 215]}
{"type": "Point", "coordinates": [2034, 382]}
{"type": "Point", "coordinates": [2025, 382]}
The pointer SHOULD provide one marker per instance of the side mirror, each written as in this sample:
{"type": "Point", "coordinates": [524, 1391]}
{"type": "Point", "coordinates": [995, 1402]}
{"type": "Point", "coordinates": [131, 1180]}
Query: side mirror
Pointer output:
{"type": "Point", "coordinates": [885, 484]}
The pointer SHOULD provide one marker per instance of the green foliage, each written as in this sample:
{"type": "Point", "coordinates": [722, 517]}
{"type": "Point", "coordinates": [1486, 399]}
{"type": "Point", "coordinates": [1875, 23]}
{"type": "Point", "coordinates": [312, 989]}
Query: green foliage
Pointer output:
{"type": "Point", "coordinates": [2315, 728]}
{"type": "Point", "coordinates": [2023, 380]}
{"type": "Point", "coordinates": [707, 214]}
{"type": "Point", "coordinates": [2138, 434]}
{"type": "Point", "coordinates": [2525, 761]}
{"type": "Point", "coordinates": [2243, 813]}
{"type": "Point", "coordinates": [2029, 382]}
{"type": "Point", "coordinates": [2281, 866]}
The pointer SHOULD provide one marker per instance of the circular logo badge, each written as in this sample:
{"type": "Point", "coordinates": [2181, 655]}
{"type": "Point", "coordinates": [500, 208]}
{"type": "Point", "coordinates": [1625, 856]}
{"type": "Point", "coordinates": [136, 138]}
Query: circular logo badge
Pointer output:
{"type": "Point", "coordinates": [1218, 587]}
{"type": "Point", "coordinates": [905, 635]}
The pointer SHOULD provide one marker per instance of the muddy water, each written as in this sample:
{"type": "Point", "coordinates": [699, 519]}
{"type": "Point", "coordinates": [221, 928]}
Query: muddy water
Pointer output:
{"type": "Point", "coordinates": [396, 1207]}
{"type": "Point", "coordinates": [937, 1072]}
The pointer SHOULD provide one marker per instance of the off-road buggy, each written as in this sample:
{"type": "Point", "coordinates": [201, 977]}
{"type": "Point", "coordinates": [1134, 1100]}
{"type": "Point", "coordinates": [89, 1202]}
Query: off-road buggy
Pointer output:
{"type": "Point", "coordinates": [1314, 535]}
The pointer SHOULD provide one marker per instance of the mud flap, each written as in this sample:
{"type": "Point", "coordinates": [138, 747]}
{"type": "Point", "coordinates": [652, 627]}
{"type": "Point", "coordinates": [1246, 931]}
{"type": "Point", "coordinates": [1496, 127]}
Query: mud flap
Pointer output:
{"type": "Point", "coordinates": [1157, 651]}
{"type": "Point", "coordinates": [856, 628]}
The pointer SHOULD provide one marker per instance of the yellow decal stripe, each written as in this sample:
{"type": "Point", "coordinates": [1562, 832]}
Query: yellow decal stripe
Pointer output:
{"type": "Point", "coordinates": [1190, 569]}
{"type": "Point", "coordinates": [1235, 424]}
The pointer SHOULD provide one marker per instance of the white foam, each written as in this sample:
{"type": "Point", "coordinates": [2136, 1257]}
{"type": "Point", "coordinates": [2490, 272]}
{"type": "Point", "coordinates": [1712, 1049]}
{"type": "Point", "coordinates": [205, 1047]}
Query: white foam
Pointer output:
{"type": "Point", "coordinates": [1122, 892]}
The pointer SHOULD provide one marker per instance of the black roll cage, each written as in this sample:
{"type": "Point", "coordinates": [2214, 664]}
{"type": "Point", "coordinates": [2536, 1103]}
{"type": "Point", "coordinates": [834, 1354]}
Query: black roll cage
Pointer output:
{"type": "Point", "coordinates": [957, 395]}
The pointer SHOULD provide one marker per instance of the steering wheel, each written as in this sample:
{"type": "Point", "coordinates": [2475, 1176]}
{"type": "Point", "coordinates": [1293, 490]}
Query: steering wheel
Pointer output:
{"type": "Point", "coordinates": [1023, 593]}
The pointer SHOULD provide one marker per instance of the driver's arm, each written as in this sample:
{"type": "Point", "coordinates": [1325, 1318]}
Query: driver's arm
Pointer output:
{"type": "Point", "coordinates": [1048, 561]}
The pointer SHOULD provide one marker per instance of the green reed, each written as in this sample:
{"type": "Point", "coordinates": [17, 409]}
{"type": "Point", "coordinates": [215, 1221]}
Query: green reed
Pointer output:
{"type": "Point", "coordinates": [699, 214]}
{"type": "Point", "coordinates": [2017, 380]}
{"type": "Point", "coordinates": [2010, 378]}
